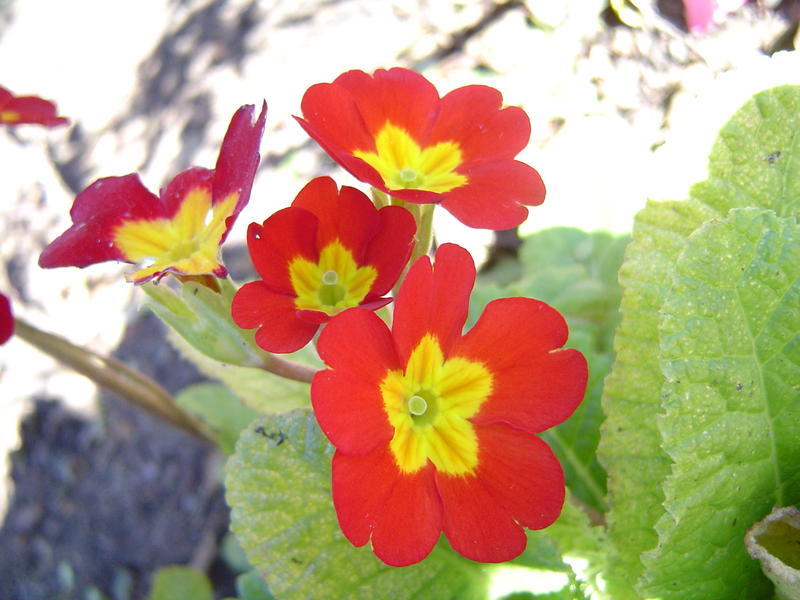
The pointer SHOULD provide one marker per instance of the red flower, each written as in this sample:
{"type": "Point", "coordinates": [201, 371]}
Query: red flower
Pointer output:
{"type": "Point", "coordinates": [393, 131]}
{"type": "Point", "coordinates": [27, 109]}
{"type": "Point", "coordinates": [435, 430]}
{"type": "Point", "coordinates": [117, 218]}
{"type": "Point", "coordinates": [6, 319]}
{"type": "Point", "coordinates": [330, 250]}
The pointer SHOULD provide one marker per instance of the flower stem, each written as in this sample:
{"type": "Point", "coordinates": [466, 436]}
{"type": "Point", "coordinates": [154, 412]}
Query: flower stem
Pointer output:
{"type": "Point", "coordinates": [287, 368]}
{"type": "Point", "coordinates": [115, 376]}
{"type": "Point", "coordinates": [423, 217]}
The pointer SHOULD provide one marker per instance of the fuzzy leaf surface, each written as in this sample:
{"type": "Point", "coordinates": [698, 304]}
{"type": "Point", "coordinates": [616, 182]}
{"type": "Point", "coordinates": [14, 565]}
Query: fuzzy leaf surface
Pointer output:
{"type": "Point", "coordinates": [730, 344]}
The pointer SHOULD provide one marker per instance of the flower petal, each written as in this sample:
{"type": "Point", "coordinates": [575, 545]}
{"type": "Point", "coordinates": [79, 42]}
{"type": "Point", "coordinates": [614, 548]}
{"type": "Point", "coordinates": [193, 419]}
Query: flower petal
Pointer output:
{"type": "Point", "coordinates": [287, 234]}
{"type": "Point", "coordinates": [535, 386]}
{"type": "Point", "coordinates": [346, 214]}
{"type": "Point", "coordinates": [522, 473]}
{"type": "Point", "coordinates": [398, 96]}
{"type": "Point", "coordinates": [28, 109]}
{"type": "Point", "coordinates": [402, 514]}
{"type": "Point", "coordinates": [475, 524]}
{"type": "Point", "coordinates": [238, 160]}
{"type": "Point", "coordinates": [174, 194]}
{"type": "Point", "coordinates": [279, 329]}
{"type": "Point", "coordinates": [496, 194]}
{"type": "Point", "coordinates": [434, 299]}
{"type": "Point", "coordinates": [391, 247]}
{"type": "Point", "coordinates": [6, 318]}
{"type": "Point", "coordinates": [350, 411]}
{"type": "Point", "coordinates": [471, 116]}
{"type": "Point", "coordinates": [96, 212]}
{"type": "Point", "coordinates": [358, 341]}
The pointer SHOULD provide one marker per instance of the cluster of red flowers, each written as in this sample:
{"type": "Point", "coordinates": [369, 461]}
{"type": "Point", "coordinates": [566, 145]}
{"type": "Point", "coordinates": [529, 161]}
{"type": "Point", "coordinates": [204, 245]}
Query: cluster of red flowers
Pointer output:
{"type": "Point", "coordinates": [435, 429]}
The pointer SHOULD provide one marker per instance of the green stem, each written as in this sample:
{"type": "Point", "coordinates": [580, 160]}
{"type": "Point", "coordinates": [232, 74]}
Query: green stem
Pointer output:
{"type": "Point", "coordinates": [114, 376]}
{"type": "Point", "coordinates": [423, 217]}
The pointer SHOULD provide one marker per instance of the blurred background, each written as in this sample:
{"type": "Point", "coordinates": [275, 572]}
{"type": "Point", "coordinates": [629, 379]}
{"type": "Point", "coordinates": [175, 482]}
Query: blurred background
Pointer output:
{"type": "Point", "coordinates": [95, 495]}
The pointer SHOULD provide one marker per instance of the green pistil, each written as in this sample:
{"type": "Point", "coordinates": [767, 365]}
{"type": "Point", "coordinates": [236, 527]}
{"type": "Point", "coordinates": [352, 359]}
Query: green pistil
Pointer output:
{"type": "Point", "coordinates": [408, 177]}
{"type": "Point", "coordinates": [423, 407]}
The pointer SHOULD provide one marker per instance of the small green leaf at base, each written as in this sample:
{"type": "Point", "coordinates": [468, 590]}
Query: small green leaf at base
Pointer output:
{"type": "Point", "coordinates": [180, 583]}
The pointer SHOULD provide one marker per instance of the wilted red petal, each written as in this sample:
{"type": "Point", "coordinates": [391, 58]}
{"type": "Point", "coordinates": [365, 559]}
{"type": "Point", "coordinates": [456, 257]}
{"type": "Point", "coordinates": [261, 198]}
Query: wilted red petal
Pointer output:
{"type": "Point", "coordinates": [287, 234]}
{"type": "Point", "coordinates": [28, 109]}
{"type": "Point", "coordinates": [238, 159]}
{"type": "Point", "coordinates": [279, 329]}
{"type": "Point", "coordinates": [346, 214]}
{"type": "Point", "coordinates": [472, 115]}
{"type": "Point", "coordinates": [535, 385]}
{"type": "Point", "coordinates": [475, 523]}
{"type": "Point", "coordinates": [6, 319]}
{"type": "Point", "coordinates": [434, 299]}
{"type": "Point", "coordinates": [522, 474]}
{"type": "Point", "coordinates": [97, 210]}
{"type": "Point", "coordinates": [509, 185]}
{"type": "Point", "coordinates": [175, 192]}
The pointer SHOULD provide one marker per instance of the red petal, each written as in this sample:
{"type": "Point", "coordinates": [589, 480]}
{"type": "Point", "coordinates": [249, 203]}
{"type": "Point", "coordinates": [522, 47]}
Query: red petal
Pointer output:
{"type": "Point", "coordinates": [6, 318]}
{"type": "Point", "coordinates": [33, 109]}
{"type": "Point", "coordinates": [358, 342]}
{"type": "Point", "coordinates": [347, 215]}
{"type": "Point", "coordinates": [287, 234]}
{"type": "Point", "coordinates": [410, 522]}
{"type": "Point", "coordinates": [331, 117]}
{"type": "Point", "coordinates": [5, 96]}
{"type": "Point", "coordinates": [522, 473]}
{"type": "Point", "coordinates": [402, 514]}
{"type": "Point", "coordinates": [238, 159]}
{"type": "Point", "coordinates": [350, 411]}
{"type": "Point", "coordinates": [256, 305]}
{"type": "Point", "coordinates": [361, 485]}
{"type": "Point", "coordinates": [96, 212]}
{"type": "Point", "coordinates": [471, 116]}
{"type": "Point", "coordinates": [399, 96]}
{"type": "Point", "coordinates": [175, 192]}
{"type": "Point", "coordinates": [434, 299]}
{"type": "Point", "coordinates": [475, 524]}
{"type": "Point", "coordinates": [535, 386]}
{"type": "Point", "coordinates": [494, 196]}
{"type": "Point", "coordinates": [390, 249]}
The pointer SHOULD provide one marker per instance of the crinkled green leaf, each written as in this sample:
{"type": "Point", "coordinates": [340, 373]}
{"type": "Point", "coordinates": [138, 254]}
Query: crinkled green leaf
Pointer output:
{"type": "Point", "coordinates": [278, 487]}
{"type": "Point", "coordinates": [755, 162]}
{"type": "Point", "coordinates": [184, 583]}
{"type": "Point", "coordinates": [258, 389]}
{"type": "Point", "coordinates": [730, 342]}
{"type": "Point", "coordinates": [220, 409]}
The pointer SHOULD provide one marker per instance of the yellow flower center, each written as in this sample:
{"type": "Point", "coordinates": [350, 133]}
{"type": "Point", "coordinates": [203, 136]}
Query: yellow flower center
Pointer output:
{"type": "Point", "coordinates": [429, 406]}
{"type": "Point", "coordinates": [333, 284]}
{"type": "Point", "coordinates": [403, 164]}
{"type": "Point", "coordinates": [9, 116]}
{"type": "Point", "coordinates": [188, 243]}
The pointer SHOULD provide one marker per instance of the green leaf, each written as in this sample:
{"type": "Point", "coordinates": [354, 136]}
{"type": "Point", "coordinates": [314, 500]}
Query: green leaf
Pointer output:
{"type": "Point", "coordinates": [250, 586]}
{"type": "Point", "coordinates": [745, 169]}
{"type": "Point", "coordinates": [220, 409]}
{"type": "Point", "coordinates": [278, 487]}
{"type": "Point", "coordinates": [184, 583]}
{"type": "Point", "coordinates": [730, 342]}
{"type": "Point", "coordinates": [260, 390]}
